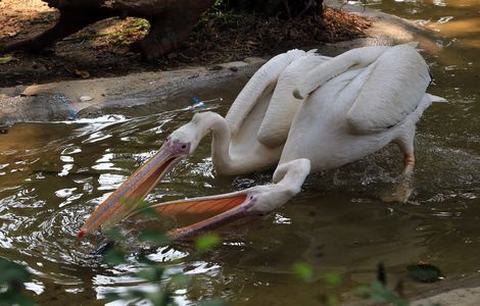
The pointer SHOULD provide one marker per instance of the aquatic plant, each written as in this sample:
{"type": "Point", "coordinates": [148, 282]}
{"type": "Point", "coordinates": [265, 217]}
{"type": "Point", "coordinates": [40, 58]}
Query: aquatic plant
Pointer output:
{"type": "Point", "coordinates": [12, 284]}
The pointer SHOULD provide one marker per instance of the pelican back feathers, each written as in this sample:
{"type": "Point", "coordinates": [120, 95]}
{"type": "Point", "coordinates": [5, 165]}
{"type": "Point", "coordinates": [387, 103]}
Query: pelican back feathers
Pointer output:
{"type": "Point", "coordinates": [355, 58]}
{"type": "Point", "coordinates": [392, 91]}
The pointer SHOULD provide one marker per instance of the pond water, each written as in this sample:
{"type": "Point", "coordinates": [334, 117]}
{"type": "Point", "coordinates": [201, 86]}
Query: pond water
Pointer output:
{"type": "Point", "coordinates": [53, 175]}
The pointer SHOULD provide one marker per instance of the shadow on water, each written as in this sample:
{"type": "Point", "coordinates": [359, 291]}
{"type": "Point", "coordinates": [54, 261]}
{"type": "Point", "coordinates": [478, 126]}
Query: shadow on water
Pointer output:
{"type": "Point", "coordinates": [53, 175]}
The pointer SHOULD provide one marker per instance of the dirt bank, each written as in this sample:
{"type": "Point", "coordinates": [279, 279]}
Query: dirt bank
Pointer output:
{"type": "Point", "coordinates": [165, 80]}
{"type": "Point", "coordinates": [102, 50]}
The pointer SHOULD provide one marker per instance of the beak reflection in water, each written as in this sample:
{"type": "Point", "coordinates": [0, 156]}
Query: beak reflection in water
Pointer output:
{"type": "Point", "coordinates": [128, 197]}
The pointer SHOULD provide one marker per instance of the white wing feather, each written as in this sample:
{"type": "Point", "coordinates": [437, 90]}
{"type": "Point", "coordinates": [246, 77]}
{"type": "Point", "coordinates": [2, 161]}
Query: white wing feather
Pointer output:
{"type": "Point", "coordinates": [393, 90]}
{"type": "Point", "coordinates": [264, 79]}
{"type": "Point", "coordinates": [283, 106]}
{"type": "Point", "coordinates": [355, 58]}
{"type": "Point", "coordinates": [436, 99]}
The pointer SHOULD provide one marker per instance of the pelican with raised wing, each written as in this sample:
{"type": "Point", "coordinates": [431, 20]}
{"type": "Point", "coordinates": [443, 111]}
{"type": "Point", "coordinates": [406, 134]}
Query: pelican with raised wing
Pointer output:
{"type": "Point", "coordinates": [351, 105]}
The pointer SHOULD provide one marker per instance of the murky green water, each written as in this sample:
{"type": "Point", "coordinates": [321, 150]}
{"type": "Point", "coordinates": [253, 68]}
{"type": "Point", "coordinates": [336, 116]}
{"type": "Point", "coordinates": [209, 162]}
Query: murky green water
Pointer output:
{"type": "Point", "coordinates": [53, 175]}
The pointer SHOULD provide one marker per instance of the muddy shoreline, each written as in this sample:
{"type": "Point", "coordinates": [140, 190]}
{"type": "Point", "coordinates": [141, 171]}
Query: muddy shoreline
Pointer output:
{"type": "Point", "coordinates": [82, 98]}
{"type": "Point", "coordinates": [104, 48]}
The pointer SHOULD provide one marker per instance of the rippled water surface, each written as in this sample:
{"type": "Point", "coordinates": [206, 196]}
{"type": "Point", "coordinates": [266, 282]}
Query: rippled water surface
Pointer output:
{"type": "Point", "coordinates": [53, 175]}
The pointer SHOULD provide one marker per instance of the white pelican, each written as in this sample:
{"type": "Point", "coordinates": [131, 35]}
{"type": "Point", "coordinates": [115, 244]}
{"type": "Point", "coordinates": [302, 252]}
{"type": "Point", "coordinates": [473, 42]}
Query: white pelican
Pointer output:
{"type": "Point", "coordinates": [356, 103]}
{"type": "Point", "coordinates": [253, 134]}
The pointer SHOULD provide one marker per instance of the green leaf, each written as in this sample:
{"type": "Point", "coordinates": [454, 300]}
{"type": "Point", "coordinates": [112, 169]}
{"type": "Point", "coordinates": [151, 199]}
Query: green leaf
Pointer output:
{"type": "Point", "coordinates": [160, 298]}
{"type": "Point", "coordinates": [148, 211]}
{"type": "Point", "coordinates": [12, 272]}
{"type": "Point", "coordinates": [23, 300]}
{"type": "Point", "coordinates": [151, 274]}
{"type": "Point", "coordinates": [207, 242]}
{"type": "Point", "coordinates": [153, 236]}
{"type": "Point", "coordinates": [14, 297]}
{"type": "Point", "coordinates": [180, 281]}
{"type": "Point", "coordinates": [114, 256]}
{"type": "Point", "coordinates": [12, 279]}
{"type": "Point", "coordinates": [378, 293]}
{"type": "Point", "coordinates": [332, 279]}
{"type": "Point", "coordinates": [112, 296]}
{"type": "Point", "coordinates": [114, 234]}
{"type": "Point", "coordinates": [6, 58]}
{"type": "Point", "coordinates": [137, 294]}
{"type": "Point", "coordinates": [331, 300]}
{"type": "Point", "coordinates": [303, 271]}
{"type": "Point", "coordinates": [132, 204]}
{"type": "Point", "coordinates": [424, 273]}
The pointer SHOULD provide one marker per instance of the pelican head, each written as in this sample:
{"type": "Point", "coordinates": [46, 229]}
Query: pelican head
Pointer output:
{"type": "Point", "coordinates": [187, 137]}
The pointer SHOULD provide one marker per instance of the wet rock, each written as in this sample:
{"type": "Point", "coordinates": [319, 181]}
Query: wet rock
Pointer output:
{"type": "Point", "coordinates": [69, 99]}
{"type": "Point", "coordinates": [81, 73]}
{"type": "Point", "coordinates": [85, 98]}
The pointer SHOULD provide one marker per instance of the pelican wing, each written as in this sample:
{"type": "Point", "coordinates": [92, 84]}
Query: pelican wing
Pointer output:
{"type": "Point", "coordinates": [261, 83]}
{"type": "Point", "coordinates": [355, 58]}
{"type": "Point", "coordinates": [393, 89]}
{"type": "Point", "coordinates": [283, 106]}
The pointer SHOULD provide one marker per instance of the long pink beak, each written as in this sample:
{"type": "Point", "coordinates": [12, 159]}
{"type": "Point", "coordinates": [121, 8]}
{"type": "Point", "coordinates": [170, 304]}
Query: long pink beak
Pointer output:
{"type": "Point", "coordinates": [128, 197]}
{"type": "Point", "coordinates": [212, 211]}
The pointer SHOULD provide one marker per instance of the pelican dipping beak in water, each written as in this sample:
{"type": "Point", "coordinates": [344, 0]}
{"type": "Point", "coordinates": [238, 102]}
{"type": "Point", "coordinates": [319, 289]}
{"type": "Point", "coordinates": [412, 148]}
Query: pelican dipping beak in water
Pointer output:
{"type": "Point", "coordinates": [348, 107]}
{"type": "Point", "coordinates": [216, 210]}
{"type": "Point", "coordinates": [265, 104]}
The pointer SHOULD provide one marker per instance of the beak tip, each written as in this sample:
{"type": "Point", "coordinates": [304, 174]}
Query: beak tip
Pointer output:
{"type": "Point", "coordinates": [81, 233]}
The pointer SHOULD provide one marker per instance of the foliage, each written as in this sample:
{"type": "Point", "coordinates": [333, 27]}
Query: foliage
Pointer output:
{"type": "Point", "coordinates": [6, 58]}
{"type": "Point", "coordinates": [127, 32]}
{"type": "Point", "coordinates": [14, 276]}
{"type": "Point", "coordinates": [12, 279]}
{"type": "Point", "coordinates": [376, 292]}
{"type": "Point", "coordinates": [303, 271]}
{"type": "Point", "coordinates": [153, 236]}
{"type": "Point", "coordinates": [206, 242]}
{"type": "Point", "coordinates": [332, 279]}
{"type": "Point", "coordinates": [282, 9]}
{"type": "Point", "coordinates": [153, 273]}
{"type": "Point", "coordinates": [379, 293]}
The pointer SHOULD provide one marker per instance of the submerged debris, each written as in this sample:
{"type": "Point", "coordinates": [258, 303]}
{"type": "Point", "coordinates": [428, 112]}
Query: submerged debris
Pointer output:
{"type": "Point", "coordinates": [424, 272]}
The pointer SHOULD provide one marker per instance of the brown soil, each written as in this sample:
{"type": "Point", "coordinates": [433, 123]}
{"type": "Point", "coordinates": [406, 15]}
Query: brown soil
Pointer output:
{"type": "Point", "coordinates": [103, 48]}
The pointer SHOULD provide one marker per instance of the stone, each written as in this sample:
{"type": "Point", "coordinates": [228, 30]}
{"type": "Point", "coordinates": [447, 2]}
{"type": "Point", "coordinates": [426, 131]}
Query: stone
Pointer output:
{"type": "Point", "coordinates": [85, 98]}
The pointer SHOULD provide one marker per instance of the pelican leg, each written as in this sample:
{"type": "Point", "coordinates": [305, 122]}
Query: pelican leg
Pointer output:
{"type": "Point", "coordinates": [403, 187]}
{"type": "Point", "coordinates": [409, 164]}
